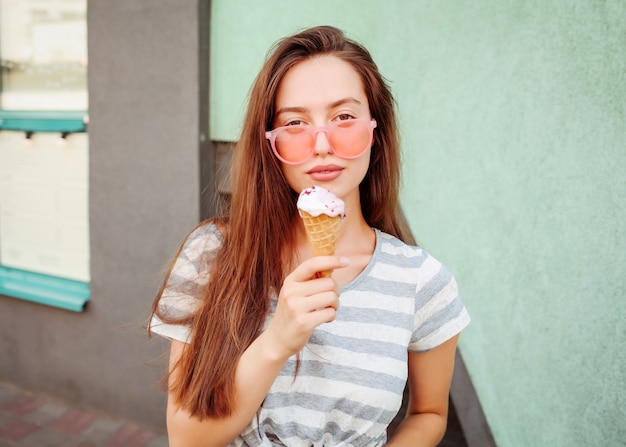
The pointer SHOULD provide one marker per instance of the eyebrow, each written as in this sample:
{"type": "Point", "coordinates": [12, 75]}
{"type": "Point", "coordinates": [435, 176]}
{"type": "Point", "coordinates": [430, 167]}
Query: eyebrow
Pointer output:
{"type": "Point", "coordinates": [343, 101]}
{"type": "Point", "coordinates": [332, 105]}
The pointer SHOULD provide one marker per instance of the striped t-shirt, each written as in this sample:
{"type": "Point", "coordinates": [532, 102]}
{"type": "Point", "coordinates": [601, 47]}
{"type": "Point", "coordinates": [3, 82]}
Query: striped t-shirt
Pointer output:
{"type": "Point", "coordinates": [353, 370]}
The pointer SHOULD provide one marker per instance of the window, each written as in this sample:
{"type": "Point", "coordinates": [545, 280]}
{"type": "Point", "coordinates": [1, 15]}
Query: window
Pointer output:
{"type": "Point", "coordinates": [44, 232]}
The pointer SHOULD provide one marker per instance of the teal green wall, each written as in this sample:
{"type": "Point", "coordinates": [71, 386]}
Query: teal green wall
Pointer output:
{"type": "Point", "coordinates": [514, 135]}
{"type": "Point", "coordinates": [242, 32]}
{"type": "Point", "coordinates": [516, 144]}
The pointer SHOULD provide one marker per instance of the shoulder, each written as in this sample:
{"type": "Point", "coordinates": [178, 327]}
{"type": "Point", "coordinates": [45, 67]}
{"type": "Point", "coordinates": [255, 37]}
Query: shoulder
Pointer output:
{"type": "Point", "coordinates": [196, 254]}
{"type": "Point", "coordinates": [208, 235]}
{"type": "Point", "coordinates": [183, 288]}
{"type": "Point", "coordinates": [200, 244]}
{"type": "Point", "coordinates": [438, 310]}
{"type": "Point", "coordinates": [393, 245]}
{"type": "Point", "coordinates": [396, 252]}
{"type": "Point", "coordinates": [412, 264]}
{"type": "Point", "coordinates": [191, 268]}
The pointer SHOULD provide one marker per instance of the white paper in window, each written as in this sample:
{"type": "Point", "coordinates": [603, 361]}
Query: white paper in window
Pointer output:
{"type": "Point", "coordinates": [44, 216]}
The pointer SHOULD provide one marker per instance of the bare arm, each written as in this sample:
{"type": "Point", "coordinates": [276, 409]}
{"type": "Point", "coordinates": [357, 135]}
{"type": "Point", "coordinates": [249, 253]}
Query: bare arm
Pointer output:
{"type": "Point", "coordinates": [257, 369]}
{"type": "Point", "coordinates": [303, 304]}
{"type": "Point", "coordinates": [430, 374]}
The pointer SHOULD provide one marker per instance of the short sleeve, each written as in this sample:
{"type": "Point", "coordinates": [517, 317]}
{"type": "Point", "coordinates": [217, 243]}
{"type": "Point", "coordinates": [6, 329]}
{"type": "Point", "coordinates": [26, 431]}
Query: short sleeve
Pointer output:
{"type": "Point", "coordinates": [439, 311]}
{"type": "Point", "coordinates": [183, 287]}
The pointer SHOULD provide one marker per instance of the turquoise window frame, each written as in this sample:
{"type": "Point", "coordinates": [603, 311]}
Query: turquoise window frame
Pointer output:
{"type": "Point", "coordinates": [43, 121]}
{"type": "Point", "coordinates": [44, 289]}
{"type": "Point", "coordinates": [31, 286]}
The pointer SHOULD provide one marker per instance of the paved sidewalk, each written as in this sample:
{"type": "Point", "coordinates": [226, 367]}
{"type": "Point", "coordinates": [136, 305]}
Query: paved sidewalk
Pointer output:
{"type": "Point", "coordinates": [31, 420]}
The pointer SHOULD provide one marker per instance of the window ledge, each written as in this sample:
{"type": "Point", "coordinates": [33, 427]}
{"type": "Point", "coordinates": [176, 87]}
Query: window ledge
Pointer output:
{"type": "Point", "coordinates": [44, 289]}
{"type": "Point", "coordinates": [44, 120]}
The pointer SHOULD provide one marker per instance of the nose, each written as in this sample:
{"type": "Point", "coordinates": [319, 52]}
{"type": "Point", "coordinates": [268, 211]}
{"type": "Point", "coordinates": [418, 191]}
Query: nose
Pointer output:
{"type": "Point", "coordinates": [322, 145]}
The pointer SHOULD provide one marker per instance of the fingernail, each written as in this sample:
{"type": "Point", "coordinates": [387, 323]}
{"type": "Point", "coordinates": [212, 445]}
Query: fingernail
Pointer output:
{"type": "Point", "coordinates": [344, 261]}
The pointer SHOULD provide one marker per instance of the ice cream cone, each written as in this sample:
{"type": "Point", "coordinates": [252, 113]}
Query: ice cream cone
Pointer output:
{"type": "Point", "coordinates": [321, 212]}
{"type": "Point", "coordinates": [322, 232]}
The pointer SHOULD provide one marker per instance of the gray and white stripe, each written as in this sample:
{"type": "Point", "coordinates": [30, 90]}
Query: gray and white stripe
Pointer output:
{"type": "Point", "coordinates": [353, 370]}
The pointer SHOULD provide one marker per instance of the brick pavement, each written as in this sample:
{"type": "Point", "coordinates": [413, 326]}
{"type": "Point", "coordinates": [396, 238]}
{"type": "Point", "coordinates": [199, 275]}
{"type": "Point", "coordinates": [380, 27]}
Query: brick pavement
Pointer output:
{"type": "Point", "coordinates": [30, 420]}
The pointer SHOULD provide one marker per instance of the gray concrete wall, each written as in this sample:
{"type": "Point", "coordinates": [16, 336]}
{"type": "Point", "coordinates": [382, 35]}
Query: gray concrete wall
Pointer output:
{"type": "Point", "coordinates": [146, 104]}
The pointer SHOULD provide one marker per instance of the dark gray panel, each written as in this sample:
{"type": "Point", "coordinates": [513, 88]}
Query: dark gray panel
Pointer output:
{"type": "Point", "coordinates": [144, 132]}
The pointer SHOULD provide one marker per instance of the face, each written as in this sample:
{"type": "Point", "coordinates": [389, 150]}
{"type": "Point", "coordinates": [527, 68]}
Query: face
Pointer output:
{"type": "Point", "coordinates": [316, 92]}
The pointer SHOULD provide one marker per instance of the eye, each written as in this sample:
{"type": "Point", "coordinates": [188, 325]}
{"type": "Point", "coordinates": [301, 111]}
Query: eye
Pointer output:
{"type": "Point", "coordinates": [295, 122]}
{"type": "Point", "coordinates": [344, 117]}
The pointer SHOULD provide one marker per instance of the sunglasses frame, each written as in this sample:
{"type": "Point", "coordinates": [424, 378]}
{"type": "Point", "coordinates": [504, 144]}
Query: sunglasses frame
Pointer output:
{"type": "Point", "coordinates": [314, 130]}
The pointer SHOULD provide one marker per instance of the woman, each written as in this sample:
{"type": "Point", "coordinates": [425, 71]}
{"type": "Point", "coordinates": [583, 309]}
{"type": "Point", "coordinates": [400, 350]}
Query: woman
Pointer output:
{"type": "Point", "coordinates": [265, 352]}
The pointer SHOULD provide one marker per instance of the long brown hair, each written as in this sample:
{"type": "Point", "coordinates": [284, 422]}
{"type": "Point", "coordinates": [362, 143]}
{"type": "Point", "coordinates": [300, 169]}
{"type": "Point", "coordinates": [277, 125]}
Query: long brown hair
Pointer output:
{"type": "Point", "coordinates": [251, 262]}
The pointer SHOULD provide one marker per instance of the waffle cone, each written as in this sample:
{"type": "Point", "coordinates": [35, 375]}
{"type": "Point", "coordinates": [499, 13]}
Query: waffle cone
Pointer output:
{"type": "Point", "coordinates": [322, 232]}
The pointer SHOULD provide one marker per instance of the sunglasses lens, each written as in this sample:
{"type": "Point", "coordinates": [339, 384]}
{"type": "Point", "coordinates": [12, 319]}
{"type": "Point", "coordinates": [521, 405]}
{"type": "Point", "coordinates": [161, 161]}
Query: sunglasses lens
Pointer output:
{"type": "Point", "coordinates": [350, 138]}
{"type": "Point", "coordinates": [294, 144]}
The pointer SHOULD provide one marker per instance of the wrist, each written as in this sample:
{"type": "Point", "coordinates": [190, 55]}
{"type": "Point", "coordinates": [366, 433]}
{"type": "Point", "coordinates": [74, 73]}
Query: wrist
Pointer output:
{"type": "Point", "coordinates": [271, 350]}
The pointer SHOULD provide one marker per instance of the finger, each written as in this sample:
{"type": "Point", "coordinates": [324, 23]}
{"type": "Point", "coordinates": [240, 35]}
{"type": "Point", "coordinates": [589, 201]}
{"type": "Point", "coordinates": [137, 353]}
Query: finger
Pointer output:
{"type": "Point", "coordinates": [309, 287]}
{"type": "Point", "coordinates": [325, 315]}
{"type": "Point", "coordinates": [308, 322]}
{"type": "Point", "coordinates": [310, 267]}
{"type": "Point", "coordinates": [321, 301]}
{"type": "Point", "coordinates": [296, 305]}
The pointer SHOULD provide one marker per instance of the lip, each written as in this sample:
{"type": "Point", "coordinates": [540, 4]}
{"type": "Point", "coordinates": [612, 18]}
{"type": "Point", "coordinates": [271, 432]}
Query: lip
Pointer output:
{"type": "Point", "coordinates": [325, 173]}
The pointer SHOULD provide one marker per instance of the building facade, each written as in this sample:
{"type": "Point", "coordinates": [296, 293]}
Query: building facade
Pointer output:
{"type": "Point", "coordinates": [512, 120]}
